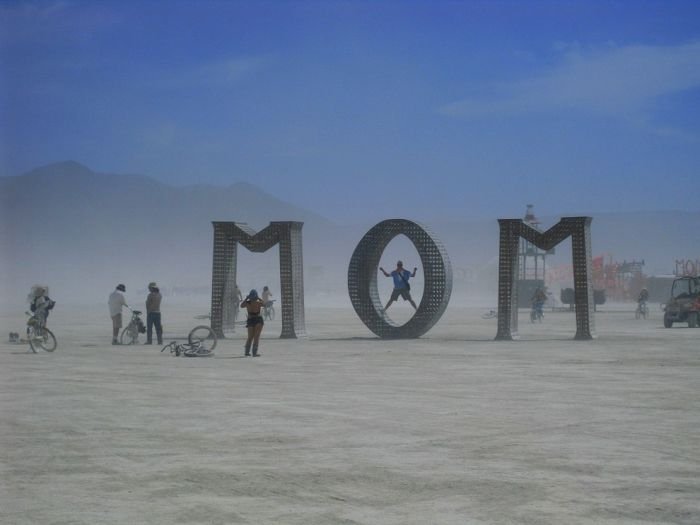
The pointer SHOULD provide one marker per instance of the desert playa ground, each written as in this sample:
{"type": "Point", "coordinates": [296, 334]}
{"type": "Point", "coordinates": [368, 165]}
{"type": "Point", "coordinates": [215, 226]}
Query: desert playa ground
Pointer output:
{"type": "Point", "coordinates": [342, 428]}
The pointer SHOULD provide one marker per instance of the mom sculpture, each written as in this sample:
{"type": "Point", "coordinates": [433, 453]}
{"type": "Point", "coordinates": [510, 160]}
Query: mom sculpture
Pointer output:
{"type": "Point", "coordinates": [362, 274]}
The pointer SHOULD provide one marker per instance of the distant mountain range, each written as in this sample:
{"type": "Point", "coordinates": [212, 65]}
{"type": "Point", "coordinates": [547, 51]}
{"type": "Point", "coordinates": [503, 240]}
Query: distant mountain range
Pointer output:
{"type": "Point", "coordinates": [66, 223]}
{"type": "Point", "coordinates": [83, 231]}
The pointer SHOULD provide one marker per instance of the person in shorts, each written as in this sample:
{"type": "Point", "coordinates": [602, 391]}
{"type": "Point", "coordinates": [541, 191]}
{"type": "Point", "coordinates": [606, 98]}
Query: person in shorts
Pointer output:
{"type": "Point", "coordinates": [116, 302]}
{"type": "Point", "coordinates": [267, 297]}
{"type": "Point", "coordinates": [401, 287]}
{"type": "Point", "coordinates": [253, 305]}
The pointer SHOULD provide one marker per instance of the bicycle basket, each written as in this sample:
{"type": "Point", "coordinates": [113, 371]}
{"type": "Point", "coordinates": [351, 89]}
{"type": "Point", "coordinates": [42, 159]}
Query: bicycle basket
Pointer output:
{"type": "Point", "coordinates": [32, 321]}
{"type": "Point", "coordinates": [142, 327]}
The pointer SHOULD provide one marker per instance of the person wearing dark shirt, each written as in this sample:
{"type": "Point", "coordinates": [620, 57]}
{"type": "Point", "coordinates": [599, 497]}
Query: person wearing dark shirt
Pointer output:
{"type": "Point", "coordinates": [153, 314]}
{"type": "Point", "coordinates": [253, 305]}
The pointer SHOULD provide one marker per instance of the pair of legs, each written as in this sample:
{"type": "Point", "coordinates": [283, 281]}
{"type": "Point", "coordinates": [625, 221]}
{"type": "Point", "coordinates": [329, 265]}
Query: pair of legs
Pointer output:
{"type": "Point", "coordinates": [153, 319]}
{"type": "Point", "coordinates": [116, 326]}
{"type": "Point", "coordinates": [405, 294]}
{"type": "Point", "coordinates": [255, 326]}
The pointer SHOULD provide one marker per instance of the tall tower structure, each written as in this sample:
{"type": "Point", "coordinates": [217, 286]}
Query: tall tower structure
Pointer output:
{"type": "Point", "coordinates": [531, 262]}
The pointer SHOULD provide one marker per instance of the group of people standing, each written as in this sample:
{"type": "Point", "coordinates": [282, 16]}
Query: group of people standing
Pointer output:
{"type": "Point", "coordinates": [117, 301]}
{"type": "Point", "coordinates": [253, 304]}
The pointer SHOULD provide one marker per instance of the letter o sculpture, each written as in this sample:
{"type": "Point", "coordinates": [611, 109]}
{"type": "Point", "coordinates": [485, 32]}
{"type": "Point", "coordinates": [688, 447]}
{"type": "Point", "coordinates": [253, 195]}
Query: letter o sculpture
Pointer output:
{"type": "Point", "coordinates": [362, 279]}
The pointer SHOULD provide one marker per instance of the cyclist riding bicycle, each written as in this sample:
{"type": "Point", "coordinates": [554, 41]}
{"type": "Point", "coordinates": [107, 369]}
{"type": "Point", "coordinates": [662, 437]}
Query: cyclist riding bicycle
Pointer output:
{"type": "Point", "coordinates": [643, 296]}
{"type": "Point", "coordinates": [642, 310]}
{"type": "Point", "coordinates": [538, 299]}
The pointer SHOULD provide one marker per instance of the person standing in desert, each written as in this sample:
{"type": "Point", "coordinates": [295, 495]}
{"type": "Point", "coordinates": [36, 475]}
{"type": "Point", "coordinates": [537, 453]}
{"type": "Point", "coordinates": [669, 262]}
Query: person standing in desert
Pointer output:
{"type": "Point", "coordinates": [401, 287]}
{"type": "Point", "coordinates": [153, 314]}
{"type": "Point", "coordinates": [116, 302]}
{"type": "Point", "coordinates": [253, 305]}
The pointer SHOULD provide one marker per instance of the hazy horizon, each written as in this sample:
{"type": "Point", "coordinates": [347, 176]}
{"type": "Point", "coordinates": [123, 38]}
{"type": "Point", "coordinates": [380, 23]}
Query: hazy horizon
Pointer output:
{"type": "Point", "coordinates": [550, 219]}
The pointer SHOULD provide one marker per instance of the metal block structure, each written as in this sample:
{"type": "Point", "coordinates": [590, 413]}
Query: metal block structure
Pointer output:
{"type": "Point", "coordinates": [511, 230]}
{"type": "Point", "coordinates": [362, 279]}
{"type": "Point", "coordinates": [227, 236]}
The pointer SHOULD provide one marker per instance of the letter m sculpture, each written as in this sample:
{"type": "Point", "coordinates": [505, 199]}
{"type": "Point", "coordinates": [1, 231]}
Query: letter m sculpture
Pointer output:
{"type": "Point", "coordinates": [579, 228]}
{"type": "Point", "coordinates": [227, 235]}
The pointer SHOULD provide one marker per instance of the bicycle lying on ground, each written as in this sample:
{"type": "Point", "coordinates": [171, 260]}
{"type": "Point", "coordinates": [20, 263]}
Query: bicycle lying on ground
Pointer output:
{"type": "Point", "coordinates": [201, 342]}
{"type": "Point", "coordinates": [130, 334]}
{"type": "Point", "coordinates": [38, 335]}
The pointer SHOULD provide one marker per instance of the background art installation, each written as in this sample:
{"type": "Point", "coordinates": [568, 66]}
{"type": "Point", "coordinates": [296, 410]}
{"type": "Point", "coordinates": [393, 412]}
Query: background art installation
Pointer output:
{"type": "Point", "coordinates": [579, 228]}
{"type": "Point", "coordinates": [362, 279]}
{"type": "Point", "coordinates": [227, 235]}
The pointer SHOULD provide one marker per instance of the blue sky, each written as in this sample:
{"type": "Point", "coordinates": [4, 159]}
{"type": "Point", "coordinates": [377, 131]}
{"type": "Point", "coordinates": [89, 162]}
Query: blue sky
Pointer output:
{"type": "Point", "coordinates": [364, 110]}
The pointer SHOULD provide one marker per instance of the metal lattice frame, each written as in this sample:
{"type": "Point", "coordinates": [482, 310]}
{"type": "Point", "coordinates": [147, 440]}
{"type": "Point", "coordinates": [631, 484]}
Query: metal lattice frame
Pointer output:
{"type": "Point", "coordinates": [362, 279]}
{"type": "Point", "coordinates": [227, 235]}
{"type": "Point", "coordinates": [579, 228]}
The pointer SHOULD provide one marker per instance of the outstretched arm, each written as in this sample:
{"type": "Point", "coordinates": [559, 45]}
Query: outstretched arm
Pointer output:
{"type": "Point", "coordinates": [414, 272]}
{"type": "Point", "coordinates": [384, 272]}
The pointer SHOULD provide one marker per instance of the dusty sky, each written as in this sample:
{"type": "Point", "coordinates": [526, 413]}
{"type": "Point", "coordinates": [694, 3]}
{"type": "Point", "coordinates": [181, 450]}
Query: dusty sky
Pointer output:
{"type": "Point", "coordinates": [467, 109]}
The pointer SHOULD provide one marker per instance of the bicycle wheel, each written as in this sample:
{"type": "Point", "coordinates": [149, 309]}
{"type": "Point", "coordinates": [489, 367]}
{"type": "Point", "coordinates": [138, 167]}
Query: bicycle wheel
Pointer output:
{"type": "Point", "coordinates": [31, 334]}
{"type": "Point", "coordinates": [42, 338]}
{"type": "Point", "coordinates": [198, 351]}
{"type": "Point", "coordinates": [130, 335]}
{"type": "Point", "coordinates": [202, 336]}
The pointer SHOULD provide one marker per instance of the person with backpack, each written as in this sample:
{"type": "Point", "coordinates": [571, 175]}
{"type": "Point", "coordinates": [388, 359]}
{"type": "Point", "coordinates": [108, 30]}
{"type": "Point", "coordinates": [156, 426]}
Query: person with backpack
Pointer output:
{"type": "Point", "coordinates": [41, 303]}
{"type": "Point", "coordinates": [401, 287]}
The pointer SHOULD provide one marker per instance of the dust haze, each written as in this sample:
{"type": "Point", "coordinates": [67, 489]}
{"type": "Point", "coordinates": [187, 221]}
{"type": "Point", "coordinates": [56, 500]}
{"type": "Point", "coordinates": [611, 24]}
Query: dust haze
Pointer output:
{"type": "Point", "coordinates": [86, 232]}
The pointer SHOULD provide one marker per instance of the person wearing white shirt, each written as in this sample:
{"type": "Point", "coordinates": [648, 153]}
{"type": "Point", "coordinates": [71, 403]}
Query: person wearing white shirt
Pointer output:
{"type": "Point", "coordinates": [116, 302]}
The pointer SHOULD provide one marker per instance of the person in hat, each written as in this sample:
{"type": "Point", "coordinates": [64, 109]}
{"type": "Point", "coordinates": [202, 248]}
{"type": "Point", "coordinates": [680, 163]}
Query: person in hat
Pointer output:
{"type": "Point", "coordinates": [153, 314]}
{"type": "Point", "coordinates": [401, 287]}
{"type": "Point", "coordinates": [116, 302]}
{"type": "Point", "coordinates": [40, 303]}
{"type": "Point", "coordinates": [253, 305]}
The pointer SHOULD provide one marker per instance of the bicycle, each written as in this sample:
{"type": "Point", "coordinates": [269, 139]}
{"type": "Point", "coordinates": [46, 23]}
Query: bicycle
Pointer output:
{"type": "Point", "coordinates": [204, 336]}
{"type": "Point", "coordinates": [187, 350]}
{"type": "Point", "coordinates": [201, 342]}
{"type": "Point", "coordinates": [269, 311]}
{"type": "Point", "coordinates": [130, 334]}
{"type": "Point", "coordinates": [38, 335]}
{"type": "Point", "coordinates": [642, 310]}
